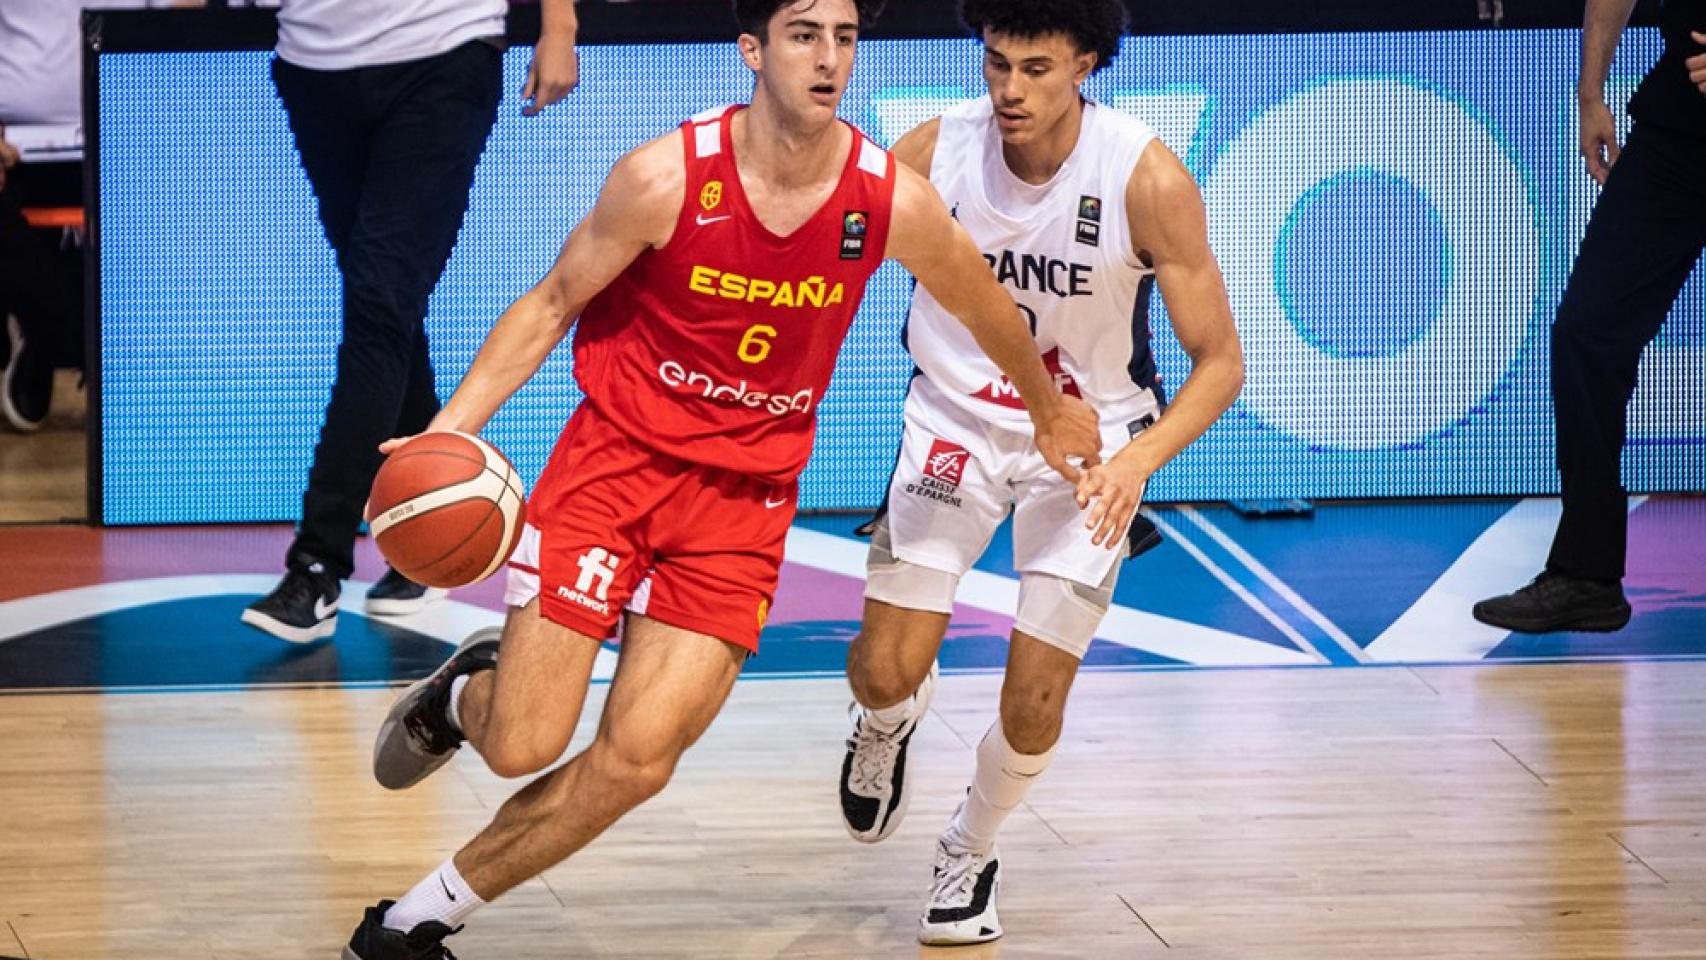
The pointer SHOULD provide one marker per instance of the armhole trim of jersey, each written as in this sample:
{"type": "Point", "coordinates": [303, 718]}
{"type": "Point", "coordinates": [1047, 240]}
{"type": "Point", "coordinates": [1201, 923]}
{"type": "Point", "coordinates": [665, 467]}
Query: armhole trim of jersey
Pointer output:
{"type": "Point", "coordinates": [1129, 254]}
{"type": "Point", "coordinates": [873, 159]}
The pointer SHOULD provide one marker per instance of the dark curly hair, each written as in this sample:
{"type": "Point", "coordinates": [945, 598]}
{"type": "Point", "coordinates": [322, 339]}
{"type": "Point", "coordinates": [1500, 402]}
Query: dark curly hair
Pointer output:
{"type": "Point", "coordinates": [1094, 25]}
{"type": "Point", "coordinates": [754, 15]}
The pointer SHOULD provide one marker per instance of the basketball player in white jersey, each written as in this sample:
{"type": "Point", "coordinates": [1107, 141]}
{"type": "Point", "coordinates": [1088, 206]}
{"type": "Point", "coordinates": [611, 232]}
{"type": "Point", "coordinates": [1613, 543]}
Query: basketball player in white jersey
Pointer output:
{"type": "Point", "coordinates": [1079, 210]}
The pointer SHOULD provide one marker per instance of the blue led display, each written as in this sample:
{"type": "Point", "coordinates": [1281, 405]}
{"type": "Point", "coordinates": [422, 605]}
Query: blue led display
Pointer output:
{"type": "Point", "coordinates": [1395, 215]}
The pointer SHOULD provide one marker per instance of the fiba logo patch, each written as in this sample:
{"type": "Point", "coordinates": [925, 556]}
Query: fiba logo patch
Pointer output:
{"type": "Point", "coordinates": [711, 196]}
{"type": "Point", "coordinates": [944, 466]}
{"type": "Point", "coordinates": [592, 587]}
{"type": "Point", "coordinates": [1089, 231]}
{"type": "Point", "coordinates": [853, 226]}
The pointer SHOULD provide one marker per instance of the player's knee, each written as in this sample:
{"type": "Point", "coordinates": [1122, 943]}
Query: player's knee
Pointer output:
{"type": "Point", "coordinates": [519, 757]}
{"type": "Point", "coordinates": [879, 682]}
{"type": "Point", "coordinates": [633, 773]}
{"type": "Point", "coordinates": [1032, 718]}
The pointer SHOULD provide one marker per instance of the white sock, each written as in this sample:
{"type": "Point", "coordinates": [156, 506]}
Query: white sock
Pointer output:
{"type": "Point", "coordinates": [891, 717]}
{"type": "Point", "coordinates": [1003, 777]}
{"type": "Point", "coordinates": [453, 713]}
{"type": "Point", "coordinates": [443, 896]}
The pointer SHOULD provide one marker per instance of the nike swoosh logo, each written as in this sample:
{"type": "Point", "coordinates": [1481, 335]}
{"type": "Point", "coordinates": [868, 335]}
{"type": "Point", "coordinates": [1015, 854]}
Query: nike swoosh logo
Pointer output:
{"type": "Point", "coordinates": [322, 609]}
{"type": "Point", "coordinates": [446, 887]}
{"type": "Point", "coordinates": [705, 221]}
{"type": "Point", "coordinates": [773, 504]}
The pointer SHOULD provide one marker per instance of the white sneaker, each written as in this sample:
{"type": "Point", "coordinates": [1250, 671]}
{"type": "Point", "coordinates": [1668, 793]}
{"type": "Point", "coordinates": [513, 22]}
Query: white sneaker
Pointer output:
{"type": "Point", "coordinates": [875, 788]}
{"type": "Point", "coordinates": [962, 899]}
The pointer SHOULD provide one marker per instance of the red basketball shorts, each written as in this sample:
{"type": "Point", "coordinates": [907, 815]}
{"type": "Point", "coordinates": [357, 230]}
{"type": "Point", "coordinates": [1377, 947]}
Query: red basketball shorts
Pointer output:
{"type": "Point", "coordinates": [615, 525]}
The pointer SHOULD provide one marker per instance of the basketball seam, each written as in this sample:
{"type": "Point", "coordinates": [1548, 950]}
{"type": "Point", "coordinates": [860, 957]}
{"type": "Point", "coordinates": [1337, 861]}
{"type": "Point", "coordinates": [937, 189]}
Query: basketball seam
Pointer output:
{"type": "Point", "coordinates": [507, 545]}
{"type": "Point", "coordinates": [486, 455]}
{"type": "Point", "coordinates": [503, 479]}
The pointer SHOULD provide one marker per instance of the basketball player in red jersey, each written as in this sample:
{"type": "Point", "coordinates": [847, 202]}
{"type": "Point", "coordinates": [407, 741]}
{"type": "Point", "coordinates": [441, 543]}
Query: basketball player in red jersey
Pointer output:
{"type": "Point", "coordinates": [714, 281]}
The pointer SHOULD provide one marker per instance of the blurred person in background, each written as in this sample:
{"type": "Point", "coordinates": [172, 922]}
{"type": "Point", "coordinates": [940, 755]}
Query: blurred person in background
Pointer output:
{"type": "Point", "coordinates": [1646, 234]}
{"type": "Point", "coordinates": [41, 302]}
{"type": "Point", "coordinates": [390, 103]}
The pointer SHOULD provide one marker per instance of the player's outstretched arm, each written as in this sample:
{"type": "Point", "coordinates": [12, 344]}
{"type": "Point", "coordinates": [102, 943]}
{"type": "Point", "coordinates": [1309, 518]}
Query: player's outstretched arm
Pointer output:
{"type": "Point", "coordinates": [1170, 231]}
{"type": "Point", "coordinates": [938, 251]}
{"type": "Point", "coordinates": [637, 209]}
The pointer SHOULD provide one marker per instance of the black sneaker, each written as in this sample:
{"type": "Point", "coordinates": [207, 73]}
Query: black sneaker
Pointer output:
{"type": "Point", "coordinates": [375, 941]}
{"type": "Point", "coordinates": [26, 386]}
{"type": "Point", "coordinates": [417, 736]}
{"type": "Point", "coordinates": [1555, 601]}
{"type": "Point", "coordinates": [397, 596]}
{"type": "Point", "coordinates": [875, 789]}
{"type": "Point", "coordinates": [302, 608]}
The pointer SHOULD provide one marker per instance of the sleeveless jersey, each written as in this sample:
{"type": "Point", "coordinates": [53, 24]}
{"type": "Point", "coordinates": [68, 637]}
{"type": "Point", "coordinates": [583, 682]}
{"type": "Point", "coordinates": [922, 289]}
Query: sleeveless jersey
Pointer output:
{"type": "Point", "coordinates": [1063, 250]}
{"type": "Point", "coordinates": [716, 348]}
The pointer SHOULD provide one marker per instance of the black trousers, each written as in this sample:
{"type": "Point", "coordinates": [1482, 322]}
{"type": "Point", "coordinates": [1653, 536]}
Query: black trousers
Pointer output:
{"type": "Point", "coordinates": [1646, 234]}
{"type": "Point", "coordinates": [391, 152]}
{"type": "Point", "coordinates": [41, 277]}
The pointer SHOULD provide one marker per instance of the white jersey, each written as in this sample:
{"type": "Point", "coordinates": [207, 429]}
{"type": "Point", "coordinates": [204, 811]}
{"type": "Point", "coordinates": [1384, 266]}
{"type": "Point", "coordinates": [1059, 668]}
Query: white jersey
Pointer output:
{"type": "Point", "coordinates": [1063, 250]}
{"type": "Point", "coordinates": [345, 34]}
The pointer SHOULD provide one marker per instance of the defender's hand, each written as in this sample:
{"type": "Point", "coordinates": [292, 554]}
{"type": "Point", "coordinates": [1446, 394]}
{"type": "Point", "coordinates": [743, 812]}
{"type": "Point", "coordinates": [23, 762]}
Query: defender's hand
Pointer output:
{"type": "Point", "coordinates": [1113, 492]}
{"type": "Point", "coordinates": [1599, 139]}
{"type": "Point", "coordinates": [1072, 431]}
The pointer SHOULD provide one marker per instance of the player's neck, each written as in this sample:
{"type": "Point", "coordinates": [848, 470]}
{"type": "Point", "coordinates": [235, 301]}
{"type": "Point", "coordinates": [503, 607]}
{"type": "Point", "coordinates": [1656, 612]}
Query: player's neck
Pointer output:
{"type": "Point", "coordinates": [1039, 160]}
{"type": "Point", "coordinates": [779, 152]}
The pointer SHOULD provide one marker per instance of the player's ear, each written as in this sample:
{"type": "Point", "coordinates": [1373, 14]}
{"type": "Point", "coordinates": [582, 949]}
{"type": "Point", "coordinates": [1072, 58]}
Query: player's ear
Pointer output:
{"type": "Point", "coordinates": [1085, 63]}
{"type": "Point", "coordinates": [752, 51]}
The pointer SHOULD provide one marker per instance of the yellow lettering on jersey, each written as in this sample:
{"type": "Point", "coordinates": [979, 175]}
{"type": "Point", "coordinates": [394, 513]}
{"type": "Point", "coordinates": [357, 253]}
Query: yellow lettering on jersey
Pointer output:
{"type": "Point", "coordinates": [810, 292]}
{"type": "Point", "coordinates": [700, 282]}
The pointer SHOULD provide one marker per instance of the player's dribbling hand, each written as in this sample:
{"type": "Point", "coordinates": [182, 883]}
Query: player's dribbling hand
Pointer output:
{"type": "Point", "coordinates": [1696, 65]}
{"type": "Point", "coordinates": [1113, 491]}
{"type": "Point", "coordinates": [1599, 139]}
{"type": "Point", "coordinates": [555, 71]}
{"type": "Point", "coordinates": [1072, 431]}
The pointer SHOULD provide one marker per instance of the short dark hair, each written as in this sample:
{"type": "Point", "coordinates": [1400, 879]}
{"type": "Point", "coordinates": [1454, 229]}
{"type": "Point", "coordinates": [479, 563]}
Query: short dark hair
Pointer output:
{"type": "Point", "coordinates": [1092, 24]}
{"type": "Point", "coordinates": [754, 15]}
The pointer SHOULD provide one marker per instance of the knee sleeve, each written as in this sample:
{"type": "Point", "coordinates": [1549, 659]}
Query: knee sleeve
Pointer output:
{"type": "Point", "coordinates": [1063, 613]}
{"type": "Point", "coordinates": [891, 580]}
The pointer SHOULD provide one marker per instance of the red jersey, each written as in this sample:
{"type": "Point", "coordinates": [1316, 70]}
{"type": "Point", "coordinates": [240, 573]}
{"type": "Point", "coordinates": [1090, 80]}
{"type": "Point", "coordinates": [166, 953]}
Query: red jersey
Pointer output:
{"type": "Point", "coordinates": [716, 348]}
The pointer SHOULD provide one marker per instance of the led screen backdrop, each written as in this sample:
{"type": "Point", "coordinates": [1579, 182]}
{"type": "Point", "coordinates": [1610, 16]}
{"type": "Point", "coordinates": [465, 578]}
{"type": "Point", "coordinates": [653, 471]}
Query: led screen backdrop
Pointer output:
{"type": "Point", "coordinates": [1395, 215]}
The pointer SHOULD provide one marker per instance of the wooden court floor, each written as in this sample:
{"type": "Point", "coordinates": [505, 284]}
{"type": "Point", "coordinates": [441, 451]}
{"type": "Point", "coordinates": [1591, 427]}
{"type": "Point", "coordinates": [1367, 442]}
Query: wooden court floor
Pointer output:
{"type": "Point", "coordinates": [1528, 811]}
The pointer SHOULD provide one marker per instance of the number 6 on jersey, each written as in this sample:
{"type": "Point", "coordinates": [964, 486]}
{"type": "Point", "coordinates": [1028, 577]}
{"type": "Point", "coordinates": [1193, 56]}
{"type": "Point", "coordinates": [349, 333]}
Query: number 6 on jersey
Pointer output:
{"type": "Point", "coordinates": [755, 345]}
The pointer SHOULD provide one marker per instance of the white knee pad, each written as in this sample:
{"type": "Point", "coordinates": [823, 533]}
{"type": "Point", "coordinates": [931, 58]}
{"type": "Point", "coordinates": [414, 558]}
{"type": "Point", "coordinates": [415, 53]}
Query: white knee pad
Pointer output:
{"type": "Point", "coordinates": [891, 580]}
{"type": "Point", "coordinates": [1063, 613]}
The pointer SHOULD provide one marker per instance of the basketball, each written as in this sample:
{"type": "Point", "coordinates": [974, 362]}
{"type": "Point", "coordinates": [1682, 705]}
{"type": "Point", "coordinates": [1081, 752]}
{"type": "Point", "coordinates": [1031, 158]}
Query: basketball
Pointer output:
{"type": "Point", "coordinates": [446, 509]}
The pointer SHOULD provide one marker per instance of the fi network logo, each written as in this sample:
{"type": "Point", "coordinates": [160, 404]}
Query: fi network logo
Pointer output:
{"type": "Point", "coordinates": [592, 587]}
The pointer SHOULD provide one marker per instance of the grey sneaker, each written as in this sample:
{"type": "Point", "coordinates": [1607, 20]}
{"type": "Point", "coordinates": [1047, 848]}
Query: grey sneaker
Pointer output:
{"type": "Point", "coordinates": [417, 737]}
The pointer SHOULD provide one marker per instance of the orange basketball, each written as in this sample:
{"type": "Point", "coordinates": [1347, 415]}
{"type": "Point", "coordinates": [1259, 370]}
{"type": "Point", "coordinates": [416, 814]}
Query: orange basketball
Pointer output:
{"type": "Point", "coordinates": [446, 509]}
